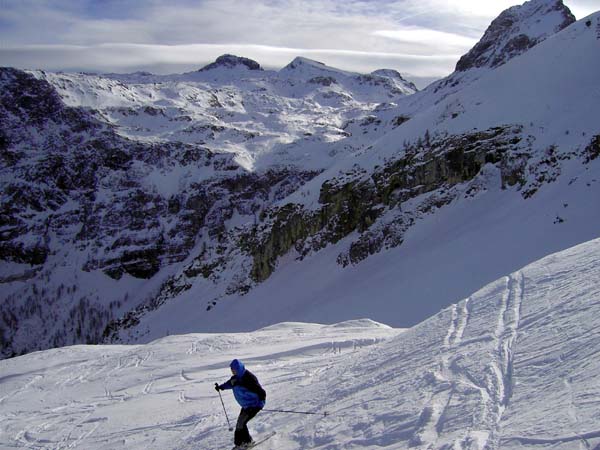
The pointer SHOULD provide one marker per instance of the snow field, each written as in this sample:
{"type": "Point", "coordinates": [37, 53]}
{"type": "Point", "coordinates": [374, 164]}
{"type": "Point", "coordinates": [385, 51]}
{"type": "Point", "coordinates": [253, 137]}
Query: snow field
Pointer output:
{"type": "Point", "coordinates": [513, 366]}
{"type": "Point", "coordinates": [161, 395]}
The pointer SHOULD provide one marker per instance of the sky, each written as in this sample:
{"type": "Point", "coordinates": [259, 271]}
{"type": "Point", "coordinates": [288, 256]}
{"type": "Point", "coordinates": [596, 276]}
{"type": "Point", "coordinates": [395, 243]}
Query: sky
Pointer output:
{"type": "Point", "coordinates": [422, 39]}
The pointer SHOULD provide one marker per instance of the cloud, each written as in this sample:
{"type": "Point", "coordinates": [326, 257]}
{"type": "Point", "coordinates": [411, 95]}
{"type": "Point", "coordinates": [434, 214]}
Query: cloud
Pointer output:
{"type": "Point", "coordinates": [173, 58]}
{"type": "Point", "coordinates": [429, 40]}
{"type": "Point", "coordinates": [188, 34]}
{"type": "Point", "coordinates": [583, 8]}
{"type": "Point", "coordinates": [419, 37]}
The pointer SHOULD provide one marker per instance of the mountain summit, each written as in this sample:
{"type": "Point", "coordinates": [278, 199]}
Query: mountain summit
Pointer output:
{"type": "Point", "coordinates": [516, 30]}
{"type": "Point", "coordinates": [305, 67]}
{"type": "Point", "coordinates": [231, 61]}
{"type": "Point", "coordinates": [315, 72]}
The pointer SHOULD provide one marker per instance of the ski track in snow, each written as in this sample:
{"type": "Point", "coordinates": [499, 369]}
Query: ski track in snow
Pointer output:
{"type": "Point", "coordinates": [120, 379]}
{"type": "Point", "coordinates": [501, 384]}
{"type": "Point", "coordinates": [513, 366]}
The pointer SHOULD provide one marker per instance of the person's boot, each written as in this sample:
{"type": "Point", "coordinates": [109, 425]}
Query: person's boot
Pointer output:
{"type": "Point", "coordinates": [243, 446]}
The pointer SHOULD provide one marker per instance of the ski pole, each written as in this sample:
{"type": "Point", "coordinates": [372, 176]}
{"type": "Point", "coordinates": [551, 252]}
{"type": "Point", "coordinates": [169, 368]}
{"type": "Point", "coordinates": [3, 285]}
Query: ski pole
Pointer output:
{"type": "Point", "coordinates": [224, 410]}
{"type": "Point", "coordinates": [296, 412]}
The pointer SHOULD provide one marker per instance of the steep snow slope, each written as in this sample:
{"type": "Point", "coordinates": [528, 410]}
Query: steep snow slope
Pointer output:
{"type": "Point", "coordinates": [512, 33]}
{"type": "Point", "coordinates": [443, 257]}
{"type": "Point", "coordinates": [512, 366]}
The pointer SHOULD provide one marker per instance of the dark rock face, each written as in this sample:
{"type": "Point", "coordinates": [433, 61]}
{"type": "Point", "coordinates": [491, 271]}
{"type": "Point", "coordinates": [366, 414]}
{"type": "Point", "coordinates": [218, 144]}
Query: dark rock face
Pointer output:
{"type": "Point", "coordinates": [244, 193]}
{"type": "Point", "coordinates": [41, 175]}
{"type": "Point", "coordinates": [592, 151]}
{"type": "Point", "coordinates": [355, 202]}
{"type": "Point", "coordinates": [56, 154]}
{"type": "Point", "coordinates": [323, 81]}
{"type": "Point", "coordinates": [231, 61]}
{"type": "Point", "coordinates": [515, 31]}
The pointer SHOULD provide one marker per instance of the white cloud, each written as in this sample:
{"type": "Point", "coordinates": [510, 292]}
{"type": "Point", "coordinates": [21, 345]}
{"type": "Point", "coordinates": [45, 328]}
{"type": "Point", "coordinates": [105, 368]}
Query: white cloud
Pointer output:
{"type": "Point", "coordinates": [172, 58]}
{"type": "Point", "coordinates": [478, 8]}
{"type": "Point", "coordinates": [421, 37]}
{"type": "Point", "coordinates": [583, 8]}
{"type": "Point", "coordinates": [441, 41]}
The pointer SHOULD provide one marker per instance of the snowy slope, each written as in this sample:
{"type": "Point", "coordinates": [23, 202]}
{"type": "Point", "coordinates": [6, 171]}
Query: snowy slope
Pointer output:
{"type": "Point", "coordinates": [443, 258]}
{"type": "Point", "coordinates": [259, 116]}
{"type": "Point", "coordinates": [512, 366]}
{"type": "Point", "coordinates": [514, 32]}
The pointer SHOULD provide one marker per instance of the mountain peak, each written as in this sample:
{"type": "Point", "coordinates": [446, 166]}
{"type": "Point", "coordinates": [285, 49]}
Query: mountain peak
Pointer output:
{"type": "Point", "coordinates": [516, 30]}
{"type": "Point", "coordinates": [394, 75]}
{"type": "Point", "coordinates": [300, 61]}
{"type": "Point", "coordinates": [302, 67]}
{"type": "Point", "coordinates": [231, 61]}
{"type": "Point", "coordinates": [389, 73]}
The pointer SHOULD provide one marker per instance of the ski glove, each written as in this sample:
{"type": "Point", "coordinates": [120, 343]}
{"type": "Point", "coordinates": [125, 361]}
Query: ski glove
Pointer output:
{"type": "Point", "coordinates": [217, 387]}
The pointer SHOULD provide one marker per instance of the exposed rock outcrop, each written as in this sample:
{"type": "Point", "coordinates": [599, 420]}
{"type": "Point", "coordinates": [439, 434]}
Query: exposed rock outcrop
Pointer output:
{"type": "Point", "coordinates": [231, 61]}
{"type": "Point", "coordinates": [515, 31]}
{"type": "Point", "coordinates": [355, 202]}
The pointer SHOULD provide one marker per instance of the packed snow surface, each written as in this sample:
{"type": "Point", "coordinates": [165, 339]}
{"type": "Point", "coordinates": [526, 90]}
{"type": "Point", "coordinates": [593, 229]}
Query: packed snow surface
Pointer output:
{"type": "Point", "coordinates": [513, 366]}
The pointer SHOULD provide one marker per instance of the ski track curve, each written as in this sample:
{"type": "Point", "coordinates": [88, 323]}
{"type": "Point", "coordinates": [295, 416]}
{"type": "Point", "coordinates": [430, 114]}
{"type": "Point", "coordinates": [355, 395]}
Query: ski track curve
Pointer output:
{"type": "Point", "coordinates": [501, 367]}
{"type": "Point", "coordinates": [447, 382]}
{"type": "Point", "coordinates": [457, 376]}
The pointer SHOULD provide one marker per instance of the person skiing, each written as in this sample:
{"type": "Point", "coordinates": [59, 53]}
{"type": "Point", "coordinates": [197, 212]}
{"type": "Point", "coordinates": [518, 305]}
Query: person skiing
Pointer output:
{"type": "Point", "coordinates": [249, 394]}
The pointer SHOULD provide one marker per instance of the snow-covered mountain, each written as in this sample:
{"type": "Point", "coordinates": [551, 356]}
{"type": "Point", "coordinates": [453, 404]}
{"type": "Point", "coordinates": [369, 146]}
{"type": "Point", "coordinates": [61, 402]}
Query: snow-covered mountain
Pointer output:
{"type": "Point", "coordinates": [230, 198]}
{"type": "Point", "coordinates": [512, 366]}
{"type": "Point", "coordinates": [511, 34]}
{"type": "Point", "coordinates": [111, 182]}
{"type": "Point", "coordinates": [515, 31]}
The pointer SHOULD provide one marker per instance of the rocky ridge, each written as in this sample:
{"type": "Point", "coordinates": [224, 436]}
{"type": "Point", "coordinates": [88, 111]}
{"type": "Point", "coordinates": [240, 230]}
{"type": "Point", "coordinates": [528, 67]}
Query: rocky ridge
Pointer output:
{"type": "Point", "coordinates": [231, 61]}
{"type": "Point", "coordinates": [515, 31]}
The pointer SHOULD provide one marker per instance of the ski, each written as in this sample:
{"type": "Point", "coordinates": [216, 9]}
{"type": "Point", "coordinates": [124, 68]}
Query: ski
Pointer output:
{"type": "Point", "coordinates": [262, 439]}
{"type": "Point", "coordinates": [257, 442]}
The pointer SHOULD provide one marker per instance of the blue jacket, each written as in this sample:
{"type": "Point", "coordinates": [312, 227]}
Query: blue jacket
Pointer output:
{"type": "Point", "coordinates": [246, 389]}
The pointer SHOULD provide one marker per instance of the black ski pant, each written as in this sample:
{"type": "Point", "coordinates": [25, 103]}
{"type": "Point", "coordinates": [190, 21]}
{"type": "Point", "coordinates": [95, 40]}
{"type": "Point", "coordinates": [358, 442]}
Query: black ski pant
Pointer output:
{"type": "Point", "coordinates": [242, 435]}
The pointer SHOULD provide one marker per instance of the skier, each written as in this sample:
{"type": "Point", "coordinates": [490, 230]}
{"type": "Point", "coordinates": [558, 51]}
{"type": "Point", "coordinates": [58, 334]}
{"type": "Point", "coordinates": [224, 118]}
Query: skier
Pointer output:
{"type": "Point", "coordinates": [251, 397]}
